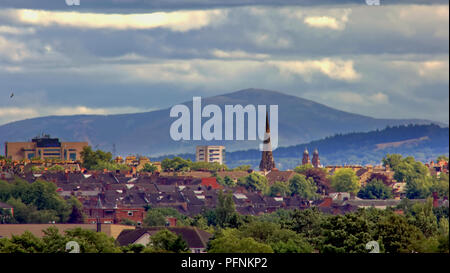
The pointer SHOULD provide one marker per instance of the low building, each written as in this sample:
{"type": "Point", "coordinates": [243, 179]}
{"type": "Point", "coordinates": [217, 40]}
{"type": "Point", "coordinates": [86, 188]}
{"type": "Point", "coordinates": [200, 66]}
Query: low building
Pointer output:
{"type": "Point", "coordinates": [195, 238]}
{"type": "Point", "coordinates": [44, 148]}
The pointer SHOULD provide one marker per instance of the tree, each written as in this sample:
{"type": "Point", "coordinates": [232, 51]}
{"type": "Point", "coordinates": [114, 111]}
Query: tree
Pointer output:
{"type": "Point", "coordinates": [392, 160]}
{"type": "Point", "coordinates": [442, 158]}
{"type": "Point", "coordinates": [225, 212]}
{"type": "Point", "coordinates": [167, 241]}
{"type": "Point", "coordinates": [303, 168]}
{"type": "Point", "coordinates": [226, 181]}
{"type": "Point", "coordinates": [254, 182]}
{"type": "Point", "coordinates": [345, 180]}
{"type": "Point", "coordinates": [307, 222]}
{"type": "Point", "coordinates": [288, 241]}
{"type": "Point", "coordinates": [398, 236]}
{"type": "Point", "coordinates": [150, 168]}
{"type": "Point", "coordinates": [242, 168]}
{"type": "Point", "coordinates": [419, 187]}
{"type": "Point", "coordinates": [99, 160]}
{"type": "Point", "coordinates": [279, 188]}
{"type": "Point", "coordinates": [440, 185]}
{"type": "Point", "coordinates": [154, 217]}
{"type": "Point", "coordinates": [91, 241]}
{"type": "Point", "coordinates": [375, 189]}
{"type": "Point", "coordinates": [305, 188]}
{"type": "Point", "coordinates": [229, 241]}
{"type": "Point", "coordinates": [25, 243]}
{"type": "Point", "coordinates": [347, 233]}
{"type": "Point", "coordinates": [424, 218]}
{"type": "Point", "coordinates": [320, 177]}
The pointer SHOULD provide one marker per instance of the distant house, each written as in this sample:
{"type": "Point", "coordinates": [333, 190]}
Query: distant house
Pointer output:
{"type": "Point", "coordinates": [195, 238]}
{"type": "Point", "coordinates": [211, 182]}
{"type": "Point", "coordinates": [282, 176]}
{"type": "Point", "coordinates": [7, 207]}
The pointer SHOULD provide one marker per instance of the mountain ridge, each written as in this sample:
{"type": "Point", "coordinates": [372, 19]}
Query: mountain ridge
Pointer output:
{"type": "Point", "coordinates": [300, 120]}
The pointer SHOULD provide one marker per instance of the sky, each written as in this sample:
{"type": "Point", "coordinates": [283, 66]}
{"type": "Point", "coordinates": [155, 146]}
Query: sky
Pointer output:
{"type": "Point", "coordinates": [127, 56]}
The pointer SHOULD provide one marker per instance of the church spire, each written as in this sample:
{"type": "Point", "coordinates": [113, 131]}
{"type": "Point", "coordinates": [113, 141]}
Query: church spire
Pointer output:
{"type": "Point", "coordinates": [267, 163]}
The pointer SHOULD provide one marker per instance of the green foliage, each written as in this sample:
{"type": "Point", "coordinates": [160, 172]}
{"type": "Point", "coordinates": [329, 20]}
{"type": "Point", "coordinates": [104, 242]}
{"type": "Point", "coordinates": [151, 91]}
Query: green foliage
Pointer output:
{"type": "Point", "coordinates": [306, 222]}
{"type": "Point", "coordinates": [303, 168]}
{"type": "Point", "coordinates": [99, 160]}
{"type": "Point", "coordinates": [25, 243]}
{"type": "Point", "coordinates": [442, 158]}
{"type": "Point", "coordinates": [305, 188]}
{"type": "Point", "coordinates": [35, 202]}
{"type": "Point", "coordinates": [128, 222]}
{"type": "Point", "coordinates": [225, 212]}
{"type": "Point", "coordinates": [398, 236]}
{"type": "Point", "coordinates": [424, 218]}
{"type": "Point", "coordinates": [179, 164]}
{"type": "Point", "coordinates": [167, 241]}
{"type": "Point", "coordinates": [255, 182]}
{"type": "Point", "coordinates": [56, 168]}
{"type": "Point", "coordinates": [419, 188]}
{"type": "Point", "coordinates": [230, 241]}
{"type": "Point", "coordinates": [154, 217]}
{"type": "Point", "coordinates": [54, 242]}
{"type": "Point", "coordinates": [375, 189]}
{"type": "Point", "coordinates": [440, 185]}
{"type": "Point", "coordinates": [347, 233]}
{"type": "Point", "coordinates": [280, 240]}
{"type": "Point", "coordinates": [150, 168]}
{"type": "Point", "coordinates": [242, 168]}
{"type": "Point", "coordinates": [157, 216]}
{"type": "Point", "coordinates": [279, 188]}
{"type": "Point", "coordinates": [345, 180]}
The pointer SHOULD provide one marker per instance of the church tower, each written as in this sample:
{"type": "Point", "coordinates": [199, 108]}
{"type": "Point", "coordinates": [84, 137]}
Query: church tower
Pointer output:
{"type": "Point", "coordinates": [315, 159]}
{"type": "Point", "coordinates": [305, 159]}
{"type": "Point", "coordinates": [267, 162]}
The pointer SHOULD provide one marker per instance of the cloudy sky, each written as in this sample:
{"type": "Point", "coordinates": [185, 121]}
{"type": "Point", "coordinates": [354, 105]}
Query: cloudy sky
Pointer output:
{"type": "Point", "coordinates": [122, 56]}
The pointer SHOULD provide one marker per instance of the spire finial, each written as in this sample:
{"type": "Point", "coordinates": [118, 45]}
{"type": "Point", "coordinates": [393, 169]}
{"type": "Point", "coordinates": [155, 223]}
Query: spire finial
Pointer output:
{"type": "Point", "coordinates": [267, 122]}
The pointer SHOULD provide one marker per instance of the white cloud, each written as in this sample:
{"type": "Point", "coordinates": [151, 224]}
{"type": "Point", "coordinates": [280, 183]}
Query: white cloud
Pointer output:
{"type": "Point", "coordinates": [176, 21]}
{"type": "Point", "coordinates": [334, 69]}
{"type": "Point", "coordinates": [378, 98]}
{"type": "Point", "coordinates": [16, 30]}
{"type": "Point", "coordinates": [12, 50]}
{"type": "Point", "coordinates": [337, 22]}
{"type": "Point", "coordinates": [430, 70]}
{"type": "Point", "coordinates": [237, 54]}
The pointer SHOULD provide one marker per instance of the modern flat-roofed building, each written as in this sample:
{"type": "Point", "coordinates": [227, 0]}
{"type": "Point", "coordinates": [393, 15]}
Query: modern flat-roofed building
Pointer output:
{"type": "Point", "coordinates": [44, 148]}
{"type": "Point", "coordinates": [210, 154]}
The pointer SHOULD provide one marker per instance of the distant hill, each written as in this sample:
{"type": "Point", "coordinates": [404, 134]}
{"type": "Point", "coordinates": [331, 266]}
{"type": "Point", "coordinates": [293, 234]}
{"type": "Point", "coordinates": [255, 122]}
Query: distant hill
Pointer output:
{"type": "Point", "coordinates": [300, 121]}
{"type": "Point", "coordinates": [424, 142]}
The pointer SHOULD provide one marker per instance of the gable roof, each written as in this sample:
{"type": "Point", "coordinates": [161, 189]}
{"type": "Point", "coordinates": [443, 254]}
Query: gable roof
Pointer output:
{"type": "Point", "coordinates": [194, 237]}
{"type": "Point", "coordinates": [282, 176]}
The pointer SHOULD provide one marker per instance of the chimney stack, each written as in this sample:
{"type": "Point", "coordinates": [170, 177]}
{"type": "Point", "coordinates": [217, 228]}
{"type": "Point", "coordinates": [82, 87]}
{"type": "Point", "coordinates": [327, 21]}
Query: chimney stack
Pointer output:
{"type": "Point", "coordinates": [435, 200]}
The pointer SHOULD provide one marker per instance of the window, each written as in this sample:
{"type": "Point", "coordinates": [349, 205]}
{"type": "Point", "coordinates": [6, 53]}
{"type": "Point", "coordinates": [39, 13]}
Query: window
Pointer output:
{"type": "Point", "coordinates": [73, 157]}
{"type": "Point", "coordinates": [130, 213]}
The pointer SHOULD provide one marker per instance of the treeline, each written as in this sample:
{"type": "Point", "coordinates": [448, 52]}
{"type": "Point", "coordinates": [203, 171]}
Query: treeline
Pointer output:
{"type": "Point", "coordinates": [352, 148]}
{"type": "Point", "coordinates": [89, 241]}
{"type": "Point", "coordinates": [37, 202]}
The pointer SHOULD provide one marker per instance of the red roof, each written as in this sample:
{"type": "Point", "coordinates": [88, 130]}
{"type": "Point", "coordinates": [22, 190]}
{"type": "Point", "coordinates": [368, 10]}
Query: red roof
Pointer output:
{"type": "Point", "coordinates": [211, 181]}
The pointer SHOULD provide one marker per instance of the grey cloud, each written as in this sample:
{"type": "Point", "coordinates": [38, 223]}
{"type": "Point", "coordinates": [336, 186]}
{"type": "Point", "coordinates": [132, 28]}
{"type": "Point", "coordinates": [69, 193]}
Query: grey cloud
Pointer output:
{"type": "Point", "coordinates": [140, 5]}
